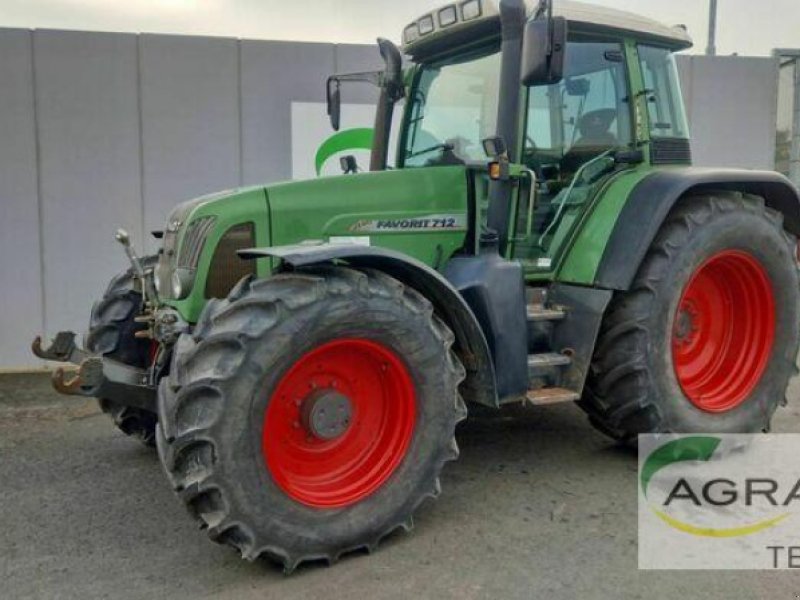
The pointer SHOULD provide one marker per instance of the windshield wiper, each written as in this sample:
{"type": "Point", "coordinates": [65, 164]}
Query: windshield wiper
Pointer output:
{"type": "Point", "coordinates": [444, 147]}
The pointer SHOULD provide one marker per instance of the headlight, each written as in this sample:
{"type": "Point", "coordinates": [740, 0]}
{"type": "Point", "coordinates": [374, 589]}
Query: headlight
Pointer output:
{"type": "Point", "coordinates": [182, 280]}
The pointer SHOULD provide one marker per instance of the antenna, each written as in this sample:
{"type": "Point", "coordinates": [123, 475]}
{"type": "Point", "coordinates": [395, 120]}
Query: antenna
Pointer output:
{"type": "Point", "coordinates": [711, 50]}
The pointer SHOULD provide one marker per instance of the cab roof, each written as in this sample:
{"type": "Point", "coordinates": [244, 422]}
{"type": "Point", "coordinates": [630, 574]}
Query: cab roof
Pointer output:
{"type": "Point", "coordinates": [451, 23]}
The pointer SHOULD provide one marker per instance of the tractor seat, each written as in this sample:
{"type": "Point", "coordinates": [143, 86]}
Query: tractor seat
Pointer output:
{"type": "Point", "coordinates": [595, 138]}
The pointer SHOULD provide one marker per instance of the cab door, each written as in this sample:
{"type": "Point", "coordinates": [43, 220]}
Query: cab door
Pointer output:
{"type": "Point", "coordinates": [571, 131]}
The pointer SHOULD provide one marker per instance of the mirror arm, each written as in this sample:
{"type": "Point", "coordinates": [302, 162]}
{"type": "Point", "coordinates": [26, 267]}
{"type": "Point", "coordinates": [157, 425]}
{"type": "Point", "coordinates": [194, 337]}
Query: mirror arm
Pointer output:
{"type": "Point", "coordinates": [333, 90]}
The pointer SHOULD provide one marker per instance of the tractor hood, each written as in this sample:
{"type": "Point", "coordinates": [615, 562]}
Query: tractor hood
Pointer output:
{"type": "Point", "coordinates": [420, 212]}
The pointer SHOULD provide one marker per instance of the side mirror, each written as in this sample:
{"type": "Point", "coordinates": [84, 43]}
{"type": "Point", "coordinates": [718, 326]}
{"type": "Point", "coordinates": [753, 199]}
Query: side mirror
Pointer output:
{"type": "Point", "coordinates": [543, 49]}
{"type": "Point", "coordinates": [348, 164]}
{"type": "Point", "coordinates": [334, 97]}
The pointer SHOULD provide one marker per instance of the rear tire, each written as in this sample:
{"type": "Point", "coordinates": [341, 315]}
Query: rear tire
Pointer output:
{"type": "Point", "coordinates": [234, 434]}
{"type": "Point", "coordinates": [716, 266]}
{"type": "Point", "coordinates": [111, 334]}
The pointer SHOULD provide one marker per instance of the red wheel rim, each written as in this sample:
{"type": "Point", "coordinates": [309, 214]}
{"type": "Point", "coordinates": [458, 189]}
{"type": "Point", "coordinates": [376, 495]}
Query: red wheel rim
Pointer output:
{"type": "Point", "coordinates": [340, 459]}
{"type": "Point", "coordinates": [724, 330]}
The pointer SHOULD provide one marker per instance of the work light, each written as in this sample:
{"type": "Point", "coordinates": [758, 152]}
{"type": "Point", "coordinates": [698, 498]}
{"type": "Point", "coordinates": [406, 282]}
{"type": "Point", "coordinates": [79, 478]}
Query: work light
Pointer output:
{"type": "Point", "coordinates": [411, 33]}
{"type": "Point", "coordinates": [471, 10]}
{"type": "Point", "coordinates": [447, 16]}
{"type": "Point", "coordinates": [426, 25]}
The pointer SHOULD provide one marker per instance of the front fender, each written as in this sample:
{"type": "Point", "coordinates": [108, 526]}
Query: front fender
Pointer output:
{"type": "Point", "coordinates": [470, 344]}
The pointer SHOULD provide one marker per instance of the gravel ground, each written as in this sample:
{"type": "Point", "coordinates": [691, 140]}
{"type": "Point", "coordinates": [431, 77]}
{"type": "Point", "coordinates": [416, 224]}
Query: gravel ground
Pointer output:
{"type": "Point", "coordinates": [538, 506]}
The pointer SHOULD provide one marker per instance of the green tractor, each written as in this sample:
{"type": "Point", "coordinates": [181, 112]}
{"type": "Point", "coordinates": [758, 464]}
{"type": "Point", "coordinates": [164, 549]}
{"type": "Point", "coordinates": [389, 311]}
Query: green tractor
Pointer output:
{"type": "Point", "coordinates": [301, 353]}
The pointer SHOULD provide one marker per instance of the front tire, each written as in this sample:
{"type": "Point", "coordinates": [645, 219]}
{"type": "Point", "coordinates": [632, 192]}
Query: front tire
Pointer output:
{"type": "Point", "coordinates": [244, 435]}
{"type": "Point", "coordinates": [707, 337]}
{"type": "Point", "coordinates": [111, 334]}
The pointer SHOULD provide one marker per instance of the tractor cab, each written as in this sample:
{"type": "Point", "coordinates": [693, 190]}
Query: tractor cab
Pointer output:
{"type": "Point", "coordinates": [615, 104]}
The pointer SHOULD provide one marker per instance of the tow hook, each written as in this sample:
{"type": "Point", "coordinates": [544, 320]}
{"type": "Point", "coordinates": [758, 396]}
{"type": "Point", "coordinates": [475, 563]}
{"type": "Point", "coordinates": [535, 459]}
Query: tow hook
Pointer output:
{"type": "Point", "coordinates": [96, 376]}
{"type": "Point", "coordinates": [62, 349]}
{"type": "Point", "coordinates": [81, 380]}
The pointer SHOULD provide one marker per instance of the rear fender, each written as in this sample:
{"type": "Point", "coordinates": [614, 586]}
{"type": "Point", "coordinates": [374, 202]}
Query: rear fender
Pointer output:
{"type": "Point", "coordinates": [654, 197]}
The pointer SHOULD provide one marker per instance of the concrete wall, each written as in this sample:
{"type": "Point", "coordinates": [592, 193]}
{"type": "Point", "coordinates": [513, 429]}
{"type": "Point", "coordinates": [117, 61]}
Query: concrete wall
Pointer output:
{"type": "Point", "coordinates": [99, 131]}
{"type": "Point", "coordinates": [731, 103]}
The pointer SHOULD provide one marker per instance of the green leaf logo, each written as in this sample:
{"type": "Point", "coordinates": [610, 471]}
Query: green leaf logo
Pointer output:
{"type": "Point", "coordinates": [688, 448]}
{"type": "Point", "coordinates": [693, 448]}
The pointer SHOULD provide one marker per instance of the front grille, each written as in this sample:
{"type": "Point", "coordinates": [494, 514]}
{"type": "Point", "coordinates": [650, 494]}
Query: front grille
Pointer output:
{"type": "Point", "coordinates": [193, 240]}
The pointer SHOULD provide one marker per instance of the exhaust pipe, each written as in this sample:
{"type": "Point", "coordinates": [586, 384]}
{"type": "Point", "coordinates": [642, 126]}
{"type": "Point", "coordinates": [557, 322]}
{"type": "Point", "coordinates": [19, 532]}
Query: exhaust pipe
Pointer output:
{"type": "Point", "coordinates": [512, 22]}
{"type": "Point", "coordinates": [391, 91]}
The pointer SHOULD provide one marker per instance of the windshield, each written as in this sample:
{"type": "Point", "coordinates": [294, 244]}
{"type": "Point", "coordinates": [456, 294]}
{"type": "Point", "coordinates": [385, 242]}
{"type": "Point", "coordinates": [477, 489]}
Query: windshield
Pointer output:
{"type": "Point", "coordinates": [453, 108]}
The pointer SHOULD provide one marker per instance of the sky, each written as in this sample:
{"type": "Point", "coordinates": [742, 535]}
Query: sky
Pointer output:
{"type": "Point", "coordinates": [746, 27]}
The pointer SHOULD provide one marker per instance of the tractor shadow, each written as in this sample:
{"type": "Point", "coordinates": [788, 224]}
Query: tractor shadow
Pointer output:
{"type": "Point", "coordinates": [108, 510]}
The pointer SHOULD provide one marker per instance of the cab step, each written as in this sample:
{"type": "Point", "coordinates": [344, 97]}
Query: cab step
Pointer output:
{"type": "Point", "coordinates": [547, 360]}
{"type": "Point", "coordinates": [538, 313]}
{"type": "Point", "coordinates": [548, 396]}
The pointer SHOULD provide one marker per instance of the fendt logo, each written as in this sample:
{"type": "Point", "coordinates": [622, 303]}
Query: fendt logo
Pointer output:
{"type": "Point", "coordinates": [726, 501]}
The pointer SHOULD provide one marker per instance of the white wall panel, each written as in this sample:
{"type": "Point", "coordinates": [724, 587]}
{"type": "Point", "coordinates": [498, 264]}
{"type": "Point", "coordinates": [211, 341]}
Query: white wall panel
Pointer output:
{"type": "Point", "coordinates": [88, 125]}
{"type": "Point", "coordinates": [20, 292]}
{"type": "Point", "coordinates": [273, 75]}
{"type": "Point", "coordinates": [190, 120]}
{"type": "Point", "coordinates": [731, 104]}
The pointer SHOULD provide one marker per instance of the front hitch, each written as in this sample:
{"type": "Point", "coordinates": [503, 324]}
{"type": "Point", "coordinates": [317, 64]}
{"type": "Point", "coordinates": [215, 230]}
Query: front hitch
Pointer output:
{"type": "Point", "coordinates": [96, 376]}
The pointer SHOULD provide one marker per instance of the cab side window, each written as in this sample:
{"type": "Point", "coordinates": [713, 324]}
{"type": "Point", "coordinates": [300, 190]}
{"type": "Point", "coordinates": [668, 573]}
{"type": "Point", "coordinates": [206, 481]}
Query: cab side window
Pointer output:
{"type": "Point", "coordinates": [585, 114]}
{"type": "Point", "coordinates": [664, 103]}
